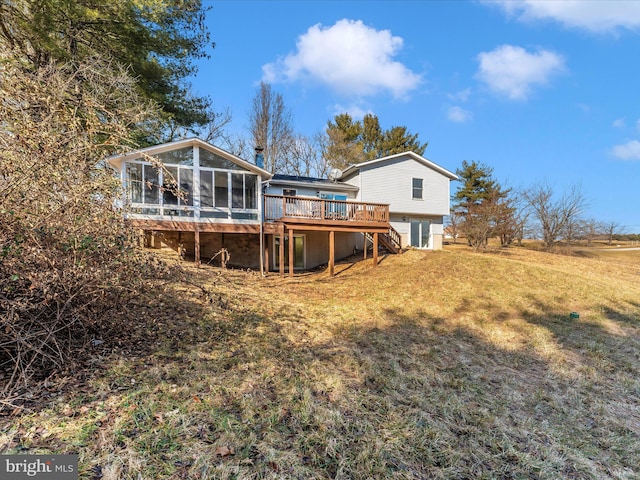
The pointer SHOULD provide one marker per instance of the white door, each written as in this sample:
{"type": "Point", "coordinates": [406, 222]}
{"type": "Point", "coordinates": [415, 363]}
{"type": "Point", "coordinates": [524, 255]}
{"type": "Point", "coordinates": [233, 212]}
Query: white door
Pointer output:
{"type": "Point", "coordinates": [420, 232]}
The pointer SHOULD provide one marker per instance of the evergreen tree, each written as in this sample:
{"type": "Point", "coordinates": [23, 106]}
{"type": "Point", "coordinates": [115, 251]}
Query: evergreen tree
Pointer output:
{"type": "Point", "coordinates": [477, 186]}
{"type": "Point", "coordinates": [343, 144]}
{"type": "Point", "coordinates": [399, 140]}
{"type": "Point", "coordinates": [371, 137]}
{"type": "Point", "coordinates": [481, 202]}
{"type": "Point", "coordinates": [350, 141]}
{"type": "Point", "coordinates": [157, 40]}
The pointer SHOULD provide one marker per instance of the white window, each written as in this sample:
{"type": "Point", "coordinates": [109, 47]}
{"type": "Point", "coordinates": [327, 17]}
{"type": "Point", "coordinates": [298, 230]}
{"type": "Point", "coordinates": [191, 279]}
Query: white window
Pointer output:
{"type": "Point", "coordinates": [225, 191]}
{"type": "Point", "coordinates": [417, 188]}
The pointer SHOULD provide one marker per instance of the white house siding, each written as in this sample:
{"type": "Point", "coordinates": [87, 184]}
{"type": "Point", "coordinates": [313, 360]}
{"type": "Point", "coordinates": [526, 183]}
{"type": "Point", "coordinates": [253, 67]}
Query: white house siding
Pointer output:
{"type": "Point", "coordinates": [391, 182]}
{"type": "Point", "coordinates": [314, 191]}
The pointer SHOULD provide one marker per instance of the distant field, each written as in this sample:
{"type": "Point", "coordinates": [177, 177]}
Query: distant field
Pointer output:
{"type": "Point", "coordinates": [448, 364]}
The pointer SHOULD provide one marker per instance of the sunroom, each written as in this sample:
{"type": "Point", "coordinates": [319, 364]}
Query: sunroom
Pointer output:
{"type": "Point", "coordinates": [197, 182]}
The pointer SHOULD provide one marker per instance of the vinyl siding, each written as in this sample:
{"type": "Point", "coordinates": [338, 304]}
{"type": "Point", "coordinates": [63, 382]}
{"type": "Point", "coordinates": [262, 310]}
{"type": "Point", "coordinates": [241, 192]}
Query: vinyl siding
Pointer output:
{"type": "Point", "coordinates": [307, 191]}
{"type": "Point", "coordinates": [391, 182]}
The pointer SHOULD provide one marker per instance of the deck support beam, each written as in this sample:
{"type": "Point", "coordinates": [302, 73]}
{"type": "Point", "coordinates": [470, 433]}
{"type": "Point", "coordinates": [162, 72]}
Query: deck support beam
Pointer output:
{"type": "Point", "coordinates": [266, 255]}
{"type": "Point", "coordinates": [281, 262]}
{"type": "Point", "coordinates": [375, 249]}
{"type": "Point", "coordinates": [332, 252]}
{"type": "Point", "coordinates": [291, 252]}
{"type": "Point", "coordinates": [196, 246]}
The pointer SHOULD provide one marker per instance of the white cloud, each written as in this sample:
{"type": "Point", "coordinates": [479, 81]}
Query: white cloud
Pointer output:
{"type": "Point", "coordinates": [619, 123]}
{"type": "Point", "coordinates": [459, 114]}
{"type": "Point", "coordinates": [461, 96]}
{"type": "Point", "coordinates": [355, 111]}
{"type": "Point", "coordinates": [593, 15]}
{"type": "Point", "coordinates": [349, 57]}
{"type": "Point", "coordinates": [627, 151]}
{"type": "Point", "coordinates": [512, 71]}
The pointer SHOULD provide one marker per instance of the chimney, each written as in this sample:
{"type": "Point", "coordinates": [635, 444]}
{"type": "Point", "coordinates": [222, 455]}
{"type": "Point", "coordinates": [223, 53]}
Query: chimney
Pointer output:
{"type": "Point", "coordinates": [259, 157]}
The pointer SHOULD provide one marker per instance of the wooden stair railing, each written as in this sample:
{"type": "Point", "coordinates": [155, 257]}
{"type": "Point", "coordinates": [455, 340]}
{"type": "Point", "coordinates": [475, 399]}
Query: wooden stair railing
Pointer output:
{"type": "Point", "coordinates": [394, 238]}
{"type": "Point", "coordinates": [391, 241]}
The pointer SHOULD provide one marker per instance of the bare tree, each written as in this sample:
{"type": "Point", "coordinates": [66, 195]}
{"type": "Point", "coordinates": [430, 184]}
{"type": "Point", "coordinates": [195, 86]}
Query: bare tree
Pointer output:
{"type": "Point", "coordinates": [610, 229]}
{"type": "Point", "coordinates": [270, 127]}
{"type": "Point", "coordinates": [214, 131]}
{"type": "Point", "coordinates": [572, 230]}
{"type": "Point", "coordinates": [590, 229]}
{"type": "Point", "coordinates": [554, 214]}
{"type": "Point", "coordinates": [302, 157]}
{"type": "Point", "coordinates": [453, 221]}
{"type": "Point", "coordinates": [480, 223]}
{"type": "Point", "coordinates": [511, 217]}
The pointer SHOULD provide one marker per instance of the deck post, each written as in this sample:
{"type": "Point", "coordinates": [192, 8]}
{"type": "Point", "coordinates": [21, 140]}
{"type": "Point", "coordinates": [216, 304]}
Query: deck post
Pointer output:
{"type": "Point", "coordinates": [266, 255]}
{"type": "Point", "coordinates": [332, 252]}
{"type": "Point", "coordinates": [291, 255]}
{"type": "Point", "coordinates": [281, 262]}
{"type": "Point", "coordinates": [366, 240]}
{"type": "Point", "coordinates": [196, 245]}
{"type": "Point", "coordinates": [375, 249]}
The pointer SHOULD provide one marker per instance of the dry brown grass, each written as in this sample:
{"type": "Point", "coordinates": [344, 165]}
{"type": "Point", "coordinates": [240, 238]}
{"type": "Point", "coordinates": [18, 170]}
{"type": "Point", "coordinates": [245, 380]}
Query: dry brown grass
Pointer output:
{"type": "Point", "coordinates": [432, 365]}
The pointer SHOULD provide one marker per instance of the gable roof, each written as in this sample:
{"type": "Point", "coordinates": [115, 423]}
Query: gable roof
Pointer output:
{"type": "Point", "coordinates": [116, 160]}
{"type": "Point", "coordinates": [351, 169]}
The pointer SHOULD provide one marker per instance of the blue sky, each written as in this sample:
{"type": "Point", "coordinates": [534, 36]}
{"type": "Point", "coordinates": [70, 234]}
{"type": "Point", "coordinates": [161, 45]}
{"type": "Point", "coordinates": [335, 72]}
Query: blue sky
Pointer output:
{"type": "Point", "coordinates": [541, 91]}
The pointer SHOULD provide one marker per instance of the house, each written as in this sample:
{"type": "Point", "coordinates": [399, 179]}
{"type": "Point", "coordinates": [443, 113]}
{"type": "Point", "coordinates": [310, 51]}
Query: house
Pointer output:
{"type": "Point", "coordinates": [280, 222]}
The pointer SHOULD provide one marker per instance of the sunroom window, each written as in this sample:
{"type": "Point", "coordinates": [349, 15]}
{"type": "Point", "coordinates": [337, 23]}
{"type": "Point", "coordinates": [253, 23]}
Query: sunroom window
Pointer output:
{"type": "Point", "coordinates": [222, 189]}
{"type": "Point", "coordinates": [181, 156]}
{"type": "Point", "coordinates": [182, 178]}
{"type": "Point", "coordinates": [211, 160]}
{"type": "Point", "coordinates": [225, 191]}
{"type": "Point", "coordinates": [142, 182]}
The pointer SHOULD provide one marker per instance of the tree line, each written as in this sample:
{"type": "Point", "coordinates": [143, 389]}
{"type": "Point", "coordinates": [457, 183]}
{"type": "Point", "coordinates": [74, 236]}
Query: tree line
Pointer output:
{"type": "Point", "coordinates": [343, 142]}
{"type": "Point", "coordinates": [482, 209]}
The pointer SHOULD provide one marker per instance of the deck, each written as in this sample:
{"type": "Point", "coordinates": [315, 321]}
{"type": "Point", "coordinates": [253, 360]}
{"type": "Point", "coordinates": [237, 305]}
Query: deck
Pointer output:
{"type": "Point", "coordinates": [330, 213]}
{"type": "Point", "coordinates": [283, 215]}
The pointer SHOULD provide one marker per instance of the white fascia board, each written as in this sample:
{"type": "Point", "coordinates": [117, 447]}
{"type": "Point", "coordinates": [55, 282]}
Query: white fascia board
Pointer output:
{"type": "Point", "coordinates": [413, 155]}
{"type": "Point", "coordinates": [116, 160]}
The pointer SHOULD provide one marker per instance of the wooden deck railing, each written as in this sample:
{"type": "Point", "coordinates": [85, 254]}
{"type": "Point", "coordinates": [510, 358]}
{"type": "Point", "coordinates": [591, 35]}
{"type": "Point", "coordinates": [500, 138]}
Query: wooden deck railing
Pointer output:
{"type": "Point", "coordinates": [276, 207]}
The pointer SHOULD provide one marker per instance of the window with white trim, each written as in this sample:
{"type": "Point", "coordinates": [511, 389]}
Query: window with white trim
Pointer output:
{"type": "Point", "coordinates": [417, 188]}
{"type": "Point", "coordinates": [225, 191]}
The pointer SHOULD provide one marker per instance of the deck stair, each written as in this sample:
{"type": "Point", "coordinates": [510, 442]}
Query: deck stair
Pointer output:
{"type": "Point", "coordinates": [390, 241]}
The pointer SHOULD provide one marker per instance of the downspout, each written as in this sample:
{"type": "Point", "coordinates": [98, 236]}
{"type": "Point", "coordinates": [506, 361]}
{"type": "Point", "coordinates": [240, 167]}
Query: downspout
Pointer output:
{"type": "Point", "coordinates": [260, 163]}
{"type": "Point", "coordinates": [261, 230]}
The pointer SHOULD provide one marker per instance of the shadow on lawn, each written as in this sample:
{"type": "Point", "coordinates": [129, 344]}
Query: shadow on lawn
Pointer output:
{"type": "Point", "coordinates": [413, 396]}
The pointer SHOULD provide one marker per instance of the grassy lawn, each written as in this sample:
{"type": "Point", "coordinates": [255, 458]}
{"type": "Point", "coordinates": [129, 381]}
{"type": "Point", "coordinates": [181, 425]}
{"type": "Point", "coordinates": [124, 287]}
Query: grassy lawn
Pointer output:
{"type": "Point", "coordinates": [442, 364]}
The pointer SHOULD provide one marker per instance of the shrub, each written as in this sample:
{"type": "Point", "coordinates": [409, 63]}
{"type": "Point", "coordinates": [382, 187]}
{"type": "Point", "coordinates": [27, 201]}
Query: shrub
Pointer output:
{"type": "Point", "coordinates": [67, 258]}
